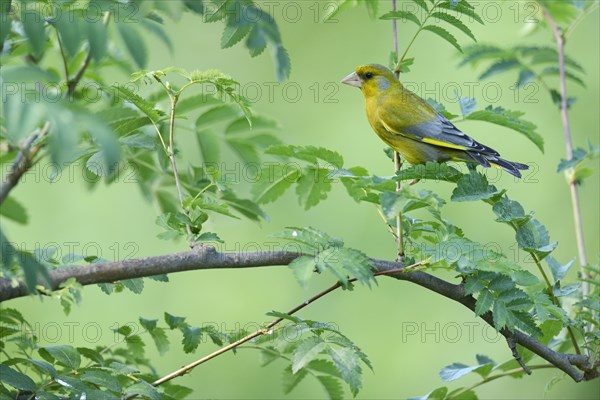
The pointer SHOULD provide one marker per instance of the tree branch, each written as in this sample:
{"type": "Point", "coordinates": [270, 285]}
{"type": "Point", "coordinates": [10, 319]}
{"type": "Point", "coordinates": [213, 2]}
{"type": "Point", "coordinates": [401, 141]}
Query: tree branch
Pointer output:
{"type": "Point", "coordinates": [22, 162]}
{"type": "Point", "coordinates": [577, 366]}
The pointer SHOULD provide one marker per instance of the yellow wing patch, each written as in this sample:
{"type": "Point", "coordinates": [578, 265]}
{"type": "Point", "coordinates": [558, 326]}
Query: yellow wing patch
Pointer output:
{"type": "Point", "coordinates": [444, 144]}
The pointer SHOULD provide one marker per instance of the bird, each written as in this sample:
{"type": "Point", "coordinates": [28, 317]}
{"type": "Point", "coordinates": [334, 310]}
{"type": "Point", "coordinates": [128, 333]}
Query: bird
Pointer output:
{"type": "Point", "coordinates": [413, 128]}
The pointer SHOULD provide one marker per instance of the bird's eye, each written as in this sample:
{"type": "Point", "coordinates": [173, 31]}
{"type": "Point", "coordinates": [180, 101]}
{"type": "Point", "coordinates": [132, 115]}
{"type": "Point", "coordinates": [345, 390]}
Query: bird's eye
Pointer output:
{"type": "Point", "coordinates": [368, 75]}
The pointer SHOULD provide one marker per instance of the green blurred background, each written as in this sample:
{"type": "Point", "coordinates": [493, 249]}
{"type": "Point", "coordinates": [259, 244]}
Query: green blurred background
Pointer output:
{"type": "Point", "coordinates": [408, 333]}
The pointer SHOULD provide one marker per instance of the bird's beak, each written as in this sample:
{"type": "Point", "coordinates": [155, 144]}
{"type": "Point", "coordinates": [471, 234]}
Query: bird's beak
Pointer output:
{"type": "Point", "coordinates": [352, 80]}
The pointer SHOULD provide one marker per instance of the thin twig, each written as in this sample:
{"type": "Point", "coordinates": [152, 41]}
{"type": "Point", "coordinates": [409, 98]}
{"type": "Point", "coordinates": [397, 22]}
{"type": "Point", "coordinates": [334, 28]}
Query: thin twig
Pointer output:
{"type": "Point", "coordinates": [22, 162]}
{"type": "Point", "coordinates": [560, 46]}
{"type": "Point", "coordinates": [498, 376]}
{"type": "Point", "coordinates": [267, 330]}
{"type": "Point", "coordinates": [397, 161]}
{"type": "Point", "coordinates": [72, 83]}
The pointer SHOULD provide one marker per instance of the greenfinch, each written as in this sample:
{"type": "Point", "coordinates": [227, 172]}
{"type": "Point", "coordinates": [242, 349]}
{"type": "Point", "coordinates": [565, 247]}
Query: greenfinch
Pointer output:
{"type": "Point", "coordinates": [413, 128]}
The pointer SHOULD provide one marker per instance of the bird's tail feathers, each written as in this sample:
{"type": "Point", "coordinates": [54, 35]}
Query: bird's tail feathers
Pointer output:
{"type": "Point", "coordinates": [486, 160]}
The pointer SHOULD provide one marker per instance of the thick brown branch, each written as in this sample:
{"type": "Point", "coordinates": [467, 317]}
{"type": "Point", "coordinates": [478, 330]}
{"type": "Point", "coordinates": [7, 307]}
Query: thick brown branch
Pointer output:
{"type": "Point", "coordinates": [209, 258]}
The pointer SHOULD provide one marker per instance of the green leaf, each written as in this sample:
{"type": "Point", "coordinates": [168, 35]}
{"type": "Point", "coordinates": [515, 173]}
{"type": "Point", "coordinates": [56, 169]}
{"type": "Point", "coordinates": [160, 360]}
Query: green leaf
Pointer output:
{"type": "Point", "coordinates": [332, 387]}
{"type": "Point", "coordinates": [310, 237]}
{"type": "Point", "coordinates": [455, 371]}
{"type": "Point", "coordinates": [431, 170]}
{"type": "Point", "coordinates": [307, 350]}
{"type": "Point", "coordinates": [136, 285]}
{"type": "Point", "coordinates": [499, 67]}
{"type": "Point", "coordinates": [313, 186]}
{"type": "Point", "coordinates": [134, 43]}
{"type": "Point", "coordinates": [174, 322]}
{"type": "Point", "coordinates": [178, 392]}
{"type": "Point", "coordinates": [401, 15]}
{"type": "Point", "coordinates": [97, 36]}
{"type": "Point", "coordinates": [33, 25]}
{"type": "Point", "coordinates": [510, 212]}
{"type": "Point", "coordinates": [121, 92]}
{"type": "Point", "coordinates": [467, 105]}
{"type": "Point", "coordinates": [559, 271]}
{"type": "Point", "coordinates": [233, 34]}
{"type": "Point", "coordinates": [16, 379]}
{"type": "Point", "coordinates": [102, 379]}
{"type": "Point", "coordinates": [484, 302]}
{"type": "Point", "coordinates": [348, 363]}
{"type": "Point", "coordinates": [578, 156]}
{"type": "Point", "coordinates": [32, 269]}
{"type": "Point", "coordinates": [291, 380]}
{"type": "Point", "coordinates": [509, 119]}
{"type": "Point", "coordinates": [157, 29]}
{"type": "Point", "coordinates": [63, 354]}
{"type": "Point", "coordinates": [310, 154]}
{"type": "Point", "coordinates": [43, 366]}
{"type": "Point", "coordinates": [343, 261]}
{"type": "Point", "coordinates": [444, 34]}
{"type": "Point", "coordinates": [191, 338]}
{"type": "Point", "coordinates": [472, 187]}
{"type": "Point", "coordinates": [391, 204]}
{"type": "Point", "coordinates": [215, 115]}
{"type": "Point", "coordinates": [303, 268]}
{"type": "Point", "coordinates": [462, 7]}
{"type": "Point", "coordinates": [70, 34]}
{"type": "Point", "coordinates": [144, 389]}
{"type": "Point", "coordinates": [533, 237]}
{"type": "Point", "coordinates": [452, 20]}
{"type": "Point", "coordinates": [14, 210]}
{"type": "Point", "coordinates": [422, 4]}
{"type": "Point", "coordinates": [275, 179]}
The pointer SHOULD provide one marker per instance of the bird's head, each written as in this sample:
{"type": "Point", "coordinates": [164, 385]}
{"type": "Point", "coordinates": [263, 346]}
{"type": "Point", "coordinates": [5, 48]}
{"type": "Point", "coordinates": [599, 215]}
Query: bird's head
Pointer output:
{"type": "Point", "coordinates": [372, 79]}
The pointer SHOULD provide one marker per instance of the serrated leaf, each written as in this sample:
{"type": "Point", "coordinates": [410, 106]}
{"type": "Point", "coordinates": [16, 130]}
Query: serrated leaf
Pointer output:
{"type": "Point", "coordinates": [559, 271]}
{"type": "Point", "coordinates": [144, 389]}
{"type": "Point", "coordinates": [134, 43]}
{"type": "Point", "coordinates": [313, 185]}
{"type": "Point", "coordinates": [16, 379]}
{"type": "Point", "coordinates": [499, 67]}
{"type": "Point", "coordinates": [431, 170]}
{"type": "Point", "coordinates": [348, 363]}
{"type": "Point", "coordinates": [484, 302]}
{"type": "Point", "coordinates": [63, 354]}
{"type": "Point", "coordinates": [462, 7]}
{"type": "Point", "coordinates": [467, 105]}
{"type": "Point", "coordinates": [274, 181]}
{"type": "Point", "coordinates": [191, 338]}
{"type": "Point", "coordinates": [444, 34]}
{"type": "Point", "coordinates": [303, 268]}
{"type": "Point", "coordinates": [472, 187]}
{"type": "Point", "coordinates": [332, 387]}
{"type": "Point", "coordinates": [103, 379]}
{"type": "Point", "coordinates": [232, 34]}
{"type": "Point", "coordinates": [452, 20]}
{"type": "Point", "coordinates": [455, 371]}
{"type": "Point", "coordinates": [136, 285]}
{"type": "Point", "coordinates": [307, 350]}
{"type": "Point", "coordinates": [509, 119]}
{"type": "Point", "coordinates": [402, 16]}
{"type": "Point", "coordinates": [291, 379]}
{"type": "Point", "coordinates": [310, 154]}
{"type": "Point", "coordinates": [533, 237]}
{"type": "Point", "coordinates": [174, 322]}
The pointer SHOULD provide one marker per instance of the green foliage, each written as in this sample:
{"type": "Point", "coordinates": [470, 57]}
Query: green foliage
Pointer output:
{"type": "Point", "coordinates": [327, 254]}
{"type": "Point", "coordinates": [319, 350]}
{"type": "Point", "coordinates": [134, 124]}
